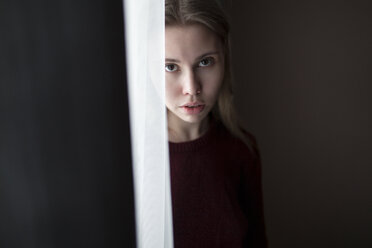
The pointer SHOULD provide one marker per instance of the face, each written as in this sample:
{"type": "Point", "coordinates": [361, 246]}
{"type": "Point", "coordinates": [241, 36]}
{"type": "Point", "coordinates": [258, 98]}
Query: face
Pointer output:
{"type": "Point", "coordinates": [194, 71]}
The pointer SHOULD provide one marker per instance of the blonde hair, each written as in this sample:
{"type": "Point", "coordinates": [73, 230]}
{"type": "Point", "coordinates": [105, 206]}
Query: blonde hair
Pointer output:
{"type": "Point", "coordinates": [210, 14]}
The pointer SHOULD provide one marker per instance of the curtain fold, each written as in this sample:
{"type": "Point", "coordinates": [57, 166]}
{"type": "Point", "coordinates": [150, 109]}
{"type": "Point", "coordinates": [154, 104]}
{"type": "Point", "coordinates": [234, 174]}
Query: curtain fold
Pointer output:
{"type": "Point", "coordinates": [144, 26]}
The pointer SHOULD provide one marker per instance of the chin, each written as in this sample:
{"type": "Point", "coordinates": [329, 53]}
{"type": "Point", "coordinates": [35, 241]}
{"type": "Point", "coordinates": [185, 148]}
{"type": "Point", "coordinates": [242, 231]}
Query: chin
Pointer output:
{"type": "Point", "coordinates": [193, 119]}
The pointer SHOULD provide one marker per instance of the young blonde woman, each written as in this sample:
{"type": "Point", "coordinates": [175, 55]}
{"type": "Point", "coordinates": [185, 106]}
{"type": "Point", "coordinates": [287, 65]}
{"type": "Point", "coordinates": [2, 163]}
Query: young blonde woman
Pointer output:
{"type": "Point", "coordinates": [215, 168]}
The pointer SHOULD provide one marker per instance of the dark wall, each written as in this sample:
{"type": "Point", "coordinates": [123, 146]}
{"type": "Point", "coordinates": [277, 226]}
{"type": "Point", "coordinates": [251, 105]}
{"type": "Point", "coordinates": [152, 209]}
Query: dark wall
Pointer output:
{"type": "Point", "coordinates": [65, 164]}
{"type": "Point", "coordinates": [303, 87]}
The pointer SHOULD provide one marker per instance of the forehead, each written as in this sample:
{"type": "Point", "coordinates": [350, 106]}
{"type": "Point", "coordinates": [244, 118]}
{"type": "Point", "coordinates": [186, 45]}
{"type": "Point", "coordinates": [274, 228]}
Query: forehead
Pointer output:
{"type": "Point", "coordinates": [190, 41]}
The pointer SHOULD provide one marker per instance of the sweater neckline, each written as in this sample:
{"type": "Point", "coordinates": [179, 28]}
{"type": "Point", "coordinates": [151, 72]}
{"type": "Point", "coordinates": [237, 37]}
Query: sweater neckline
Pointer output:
{"type": "Point", "coordinates": [196, 144]}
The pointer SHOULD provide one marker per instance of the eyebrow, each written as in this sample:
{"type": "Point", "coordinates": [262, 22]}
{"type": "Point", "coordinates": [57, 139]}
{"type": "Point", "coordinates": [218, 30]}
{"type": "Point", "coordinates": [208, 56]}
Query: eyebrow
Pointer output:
{"type": "Point", "coordinates": [198, 58]}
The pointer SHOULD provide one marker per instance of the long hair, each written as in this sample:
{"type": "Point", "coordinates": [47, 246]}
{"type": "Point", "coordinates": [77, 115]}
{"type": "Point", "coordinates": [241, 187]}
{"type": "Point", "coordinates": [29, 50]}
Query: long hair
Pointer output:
{"type": "Point", "coordinates": [210, 14]}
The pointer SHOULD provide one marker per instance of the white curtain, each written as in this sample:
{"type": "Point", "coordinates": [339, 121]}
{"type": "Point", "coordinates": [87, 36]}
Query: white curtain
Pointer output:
{"type": "Point", "coordinates": [144, 24]}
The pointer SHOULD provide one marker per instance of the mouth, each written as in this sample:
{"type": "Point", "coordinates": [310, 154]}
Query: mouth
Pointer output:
{"type": "Point", "coordinates": [193, 104]}
{"type": "Point", "coordinates": [193, 108]}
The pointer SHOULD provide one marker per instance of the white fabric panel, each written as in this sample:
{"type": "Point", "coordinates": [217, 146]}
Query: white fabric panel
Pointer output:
{"type": "Point", "coordinates": [144, 24]}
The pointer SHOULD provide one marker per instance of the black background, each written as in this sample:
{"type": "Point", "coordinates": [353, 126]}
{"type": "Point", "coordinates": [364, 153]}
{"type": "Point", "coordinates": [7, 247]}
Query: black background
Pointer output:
{"type": "Point", "coordinates": [65, 164]}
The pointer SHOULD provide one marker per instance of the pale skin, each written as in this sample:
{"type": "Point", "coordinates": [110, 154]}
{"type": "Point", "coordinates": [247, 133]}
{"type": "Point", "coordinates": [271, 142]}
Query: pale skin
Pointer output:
{"type": "Point", "coordinates": [194, 71]}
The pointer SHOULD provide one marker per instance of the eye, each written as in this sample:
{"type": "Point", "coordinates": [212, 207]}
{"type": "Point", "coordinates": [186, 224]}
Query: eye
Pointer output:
{"type": "Point", "coordinates": [206, 62]}
{"type": "Point", "coordinates": [171, 67]}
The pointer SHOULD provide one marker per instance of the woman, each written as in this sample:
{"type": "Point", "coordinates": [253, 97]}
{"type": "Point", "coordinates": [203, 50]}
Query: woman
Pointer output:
{"type": "Point", "coordinates": [215, 169]}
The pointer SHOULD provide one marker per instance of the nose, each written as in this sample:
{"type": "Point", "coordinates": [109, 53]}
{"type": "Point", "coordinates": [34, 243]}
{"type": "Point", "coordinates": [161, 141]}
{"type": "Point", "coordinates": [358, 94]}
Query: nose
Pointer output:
{"type": "Point", "coordinates": [191, 83]}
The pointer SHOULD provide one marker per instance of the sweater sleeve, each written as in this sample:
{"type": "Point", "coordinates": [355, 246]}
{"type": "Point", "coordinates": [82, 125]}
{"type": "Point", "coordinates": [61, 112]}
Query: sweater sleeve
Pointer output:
{"type": "Point", "coordinates": [252, 198]}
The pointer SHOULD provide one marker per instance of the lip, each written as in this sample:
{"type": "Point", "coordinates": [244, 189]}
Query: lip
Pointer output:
{"type": "Point", "coordinates": [193, 108]}
{"type": "Point", "coordinates": [192, 104]}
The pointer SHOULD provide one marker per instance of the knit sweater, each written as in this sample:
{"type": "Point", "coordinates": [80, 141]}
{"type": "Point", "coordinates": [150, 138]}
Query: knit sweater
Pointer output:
{"type": "Point", "coordinates": [216, 192]}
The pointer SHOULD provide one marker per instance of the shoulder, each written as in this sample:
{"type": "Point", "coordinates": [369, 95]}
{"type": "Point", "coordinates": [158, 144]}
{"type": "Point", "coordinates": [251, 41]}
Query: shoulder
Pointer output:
{"type": "Point", "coordinates": [244, 150]}
{"type": "Point", "coordinates": [251, 139]}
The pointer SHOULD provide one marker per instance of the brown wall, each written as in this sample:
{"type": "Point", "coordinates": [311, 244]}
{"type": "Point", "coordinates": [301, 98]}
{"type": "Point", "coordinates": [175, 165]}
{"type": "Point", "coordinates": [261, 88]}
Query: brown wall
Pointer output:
{"type": "Point", "coordinates": [303, 77]}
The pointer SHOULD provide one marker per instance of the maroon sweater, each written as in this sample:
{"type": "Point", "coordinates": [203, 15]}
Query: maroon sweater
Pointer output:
{"type": "Point", "coordinates": [216, 192]}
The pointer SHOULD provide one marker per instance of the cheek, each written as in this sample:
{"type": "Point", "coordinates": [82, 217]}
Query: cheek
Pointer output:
{"type": "Point", "coordinates": [171, 88]}
{"type": "Point", "coordinates": [213, 82]}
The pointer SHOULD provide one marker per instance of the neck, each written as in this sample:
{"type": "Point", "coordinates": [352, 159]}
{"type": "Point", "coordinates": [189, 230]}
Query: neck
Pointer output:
{"type": "Point", "coordinates": [182, 132]}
